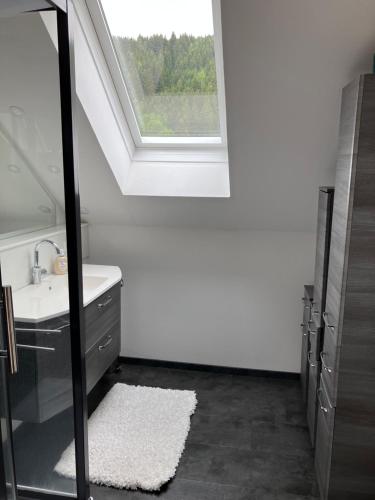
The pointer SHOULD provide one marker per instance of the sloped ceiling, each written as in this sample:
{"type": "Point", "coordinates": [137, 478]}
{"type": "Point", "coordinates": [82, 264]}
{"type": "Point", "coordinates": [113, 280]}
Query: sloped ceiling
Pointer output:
{"type": "Point", "coordinates": [285, 64]}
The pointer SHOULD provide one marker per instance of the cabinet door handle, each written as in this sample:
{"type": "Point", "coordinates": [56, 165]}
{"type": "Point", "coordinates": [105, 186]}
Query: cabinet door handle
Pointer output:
{"type": "Point", "coordinates": [101, 305]}
{"type": "Point", "coordinates": [312, 365]}
{"type": "Point", "coordinates": [326, 368]}
{"type": "Point", "coordinates": [106, 344]}
{"type": "Point", "coordinates": [330, 327]}
{"type": "Point", "coordinates": [323, 408]}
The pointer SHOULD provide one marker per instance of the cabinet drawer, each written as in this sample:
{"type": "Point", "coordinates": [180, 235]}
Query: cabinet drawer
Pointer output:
{"type": "Point", "coordinates": [329, 358]}
{"type": "Point", "coordinates": [102, 314]}
{"type": "Point", "coordinates": [325, 405]}
{"type": "Point", "coordinates": [312, 399]}
{"type": "Point", "coordinates": [324, 437]}
{"type": "Point", "coordinates": [102, 355]}
{"type": "Point", "coordinates": [330, 325]}
{"type": "Point", "coordinates": [314, 334]}
{"type": "Point", "coordinates": [304, 362]}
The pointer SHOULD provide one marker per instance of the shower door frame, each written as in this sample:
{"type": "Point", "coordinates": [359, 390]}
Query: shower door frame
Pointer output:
{"type": "Point", "coordinates": [64, 10]}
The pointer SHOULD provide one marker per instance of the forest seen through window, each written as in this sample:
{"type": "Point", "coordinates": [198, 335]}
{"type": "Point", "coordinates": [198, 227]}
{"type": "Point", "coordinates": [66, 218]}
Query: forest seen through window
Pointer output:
{"type": "Point", "coordinates": [172, 84]}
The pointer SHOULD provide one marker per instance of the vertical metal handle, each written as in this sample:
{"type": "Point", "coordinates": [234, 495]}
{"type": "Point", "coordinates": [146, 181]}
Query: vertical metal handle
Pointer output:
{"type": "Point", "coordinates": [312, 365]}
{"type": "Point", "coordinates": [330, 327]}
{"type": "Point", "coordinates": [312, 332]}
{"type": "Point", "coordinates": [326, 368]}
{"type": "Point", "coordinates": [323, 408]}
{"type": "Point", "coordinates": [11, 330]}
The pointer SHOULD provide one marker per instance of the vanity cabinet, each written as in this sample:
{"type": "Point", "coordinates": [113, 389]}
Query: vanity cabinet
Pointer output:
{"type": "Point", "coordinates": [103, 334]}
{"type": "Point", "coordinates": [43, 386]}
{"type": "Point", "coordinates": [345, 436]}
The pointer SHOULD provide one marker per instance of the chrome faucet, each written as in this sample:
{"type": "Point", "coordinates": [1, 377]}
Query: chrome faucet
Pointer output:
{"type": "Point", "coordinates": [39, 272]}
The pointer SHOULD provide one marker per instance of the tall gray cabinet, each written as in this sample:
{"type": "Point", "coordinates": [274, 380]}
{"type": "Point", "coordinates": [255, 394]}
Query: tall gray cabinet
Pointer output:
{"type": "Point", "coordinates": [316, 328]}
{"type": "Point", "coordinates": [345, 430]}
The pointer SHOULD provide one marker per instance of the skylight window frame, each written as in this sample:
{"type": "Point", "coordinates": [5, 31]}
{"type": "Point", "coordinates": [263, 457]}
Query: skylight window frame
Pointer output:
{"type": "Point", "coordinates": [98, 17]}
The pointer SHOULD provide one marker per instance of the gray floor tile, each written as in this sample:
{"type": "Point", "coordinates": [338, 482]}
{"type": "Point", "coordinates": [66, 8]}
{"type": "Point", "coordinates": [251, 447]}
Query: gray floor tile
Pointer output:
{"type": "Point", "coordinates": [221, 431]}
{"type": "Point", "coordinates": [179, 489]}
{"type": "Point", "coordinates": [247, 468]}
{"type": "Point", "coordinates": [281, 439]}
{"type": "Point", "coordinates": [258, 408]}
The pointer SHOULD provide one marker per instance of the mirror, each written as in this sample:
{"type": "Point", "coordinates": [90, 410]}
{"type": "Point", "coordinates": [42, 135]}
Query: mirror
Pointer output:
{"type": "Point", "coordinates": [31, 196]}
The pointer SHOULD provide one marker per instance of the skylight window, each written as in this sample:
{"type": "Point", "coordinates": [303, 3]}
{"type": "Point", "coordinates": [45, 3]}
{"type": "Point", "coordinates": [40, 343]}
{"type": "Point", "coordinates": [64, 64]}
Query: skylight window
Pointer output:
{"type": "Point", "coordinates": [167, 54]}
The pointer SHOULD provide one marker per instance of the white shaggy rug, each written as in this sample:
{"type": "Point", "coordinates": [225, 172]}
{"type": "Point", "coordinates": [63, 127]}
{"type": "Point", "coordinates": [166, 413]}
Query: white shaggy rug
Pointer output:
{"type": "Point", "coordinates": [136, 437]}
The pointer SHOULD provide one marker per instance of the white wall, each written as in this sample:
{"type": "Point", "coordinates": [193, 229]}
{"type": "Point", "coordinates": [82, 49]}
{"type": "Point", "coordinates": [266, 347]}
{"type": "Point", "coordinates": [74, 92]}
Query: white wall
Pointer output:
{"type": "Point", "coordinates": [216, 297]}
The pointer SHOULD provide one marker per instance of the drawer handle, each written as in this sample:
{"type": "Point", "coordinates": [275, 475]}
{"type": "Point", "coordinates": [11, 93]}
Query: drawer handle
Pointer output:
{"type": "Point", "coordinates": [326, 368]}
{"type": "Point", "coordinates": [4, 354]}
{"type": "Point", "coordinates": [47, 331]}
{"type": "Point", "coordinates": [35, 348]}
{"type": "Point", "coordinates": [312, 332]}
{"type": "Point", "coordinates": [101, 305]}
{"type": "Point", "coordinates": [330, 327]}
{"type": "Point", "coordinates": [323, 408]}
{"type": "Point", "coordinates": [312, 365]}
{"type": "Point", "coordinates": [106, 344]}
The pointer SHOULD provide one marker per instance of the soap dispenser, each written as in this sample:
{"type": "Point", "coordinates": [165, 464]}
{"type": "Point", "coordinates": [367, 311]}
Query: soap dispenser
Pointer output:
{"type": "Point", "coordinates": [61, 263]}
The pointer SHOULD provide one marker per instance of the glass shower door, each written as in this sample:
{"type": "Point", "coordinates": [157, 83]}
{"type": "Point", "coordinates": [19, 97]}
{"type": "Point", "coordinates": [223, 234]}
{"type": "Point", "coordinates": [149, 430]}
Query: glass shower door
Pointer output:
{"type": "Point", "coordinates": [8, 484]}
{"type": "Point", "coordinates": [38, 398]}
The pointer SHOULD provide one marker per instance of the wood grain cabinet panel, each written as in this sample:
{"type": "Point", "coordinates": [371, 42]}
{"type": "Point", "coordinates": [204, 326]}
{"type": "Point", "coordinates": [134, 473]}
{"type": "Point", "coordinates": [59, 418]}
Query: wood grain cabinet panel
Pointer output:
{"type": "Point", "coordinates": [322, 252]}
{"type": "Point", "coordinates": [345, 442]}
{"type": "Point", "coordinates": [323, 443]}
{"type": "Point", "coordinates": [312, 398]}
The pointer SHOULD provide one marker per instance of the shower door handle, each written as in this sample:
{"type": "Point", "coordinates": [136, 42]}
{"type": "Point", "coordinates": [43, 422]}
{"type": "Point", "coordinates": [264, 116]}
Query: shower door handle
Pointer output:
{"type": "Point", "coordinates": [11, 344]}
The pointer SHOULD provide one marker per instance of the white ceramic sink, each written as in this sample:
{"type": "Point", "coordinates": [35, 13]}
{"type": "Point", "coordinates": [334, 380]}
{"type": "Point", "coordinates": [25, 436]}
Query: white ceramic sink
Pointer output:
{"type": "Point", "coordinates": [50, 299]}
{"type": "Point", "coordinates": [92, 282]}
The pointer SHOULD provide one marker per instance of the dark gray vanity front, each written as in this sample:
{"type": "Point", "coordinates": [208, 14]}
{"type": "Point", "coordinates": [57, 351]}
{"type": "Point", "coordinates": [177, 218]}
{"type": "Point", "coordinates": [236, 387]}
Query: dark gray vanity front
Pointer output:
{"type": "Point", "coordinates": [42, 388]}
